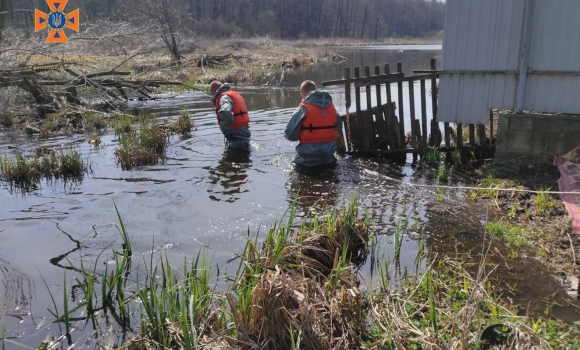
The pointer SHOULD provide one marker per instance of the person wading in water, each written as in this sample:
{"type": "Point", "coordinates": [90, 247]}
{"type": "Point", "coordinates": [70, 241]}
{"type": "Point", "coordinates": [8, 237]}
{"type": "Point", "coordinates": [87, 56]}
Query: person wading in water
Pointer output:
{"type": "Point", "coordinates": [316, 125]}
{"type": "Point", "coordinates": [232, 115]}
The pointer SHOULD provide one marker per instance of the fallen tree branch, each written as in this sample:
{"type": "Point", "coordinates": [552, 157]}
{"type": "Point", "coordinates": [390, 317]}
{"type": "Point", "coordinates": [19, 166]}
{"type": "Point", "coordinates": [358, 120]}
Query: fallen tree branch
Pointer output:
{"type": "Point", "coordinates": [108, 83]}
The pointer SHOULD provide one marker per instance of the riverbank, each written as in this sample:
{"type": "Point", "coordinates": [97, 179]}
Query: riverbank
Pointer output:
{"type": "Point", "coordinates": [254, 61]}
{"type": "Point", "coordinates": [299, 287]}
{"type": "Point", "coordinates": [532, 217]}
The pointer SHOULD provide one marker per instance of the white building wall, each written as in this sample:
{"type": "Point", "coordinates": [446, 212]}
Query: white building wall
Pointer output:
{"type": "Point", "coordinates": [481, 46]}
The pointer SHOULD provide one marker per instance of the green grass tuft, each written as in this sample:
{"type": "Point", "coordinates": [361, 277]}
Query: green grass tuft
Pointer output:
{"type": "Point", "coordinates": [27, 172]}
{"type": "Point", "coordinates": [145, 146]}
{"type": "Point", "coordinates": [512, 234]}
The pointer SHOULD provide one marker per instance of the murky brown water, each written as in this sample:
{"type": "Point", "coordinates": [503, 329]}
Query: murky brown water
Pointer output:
{"type": "Point", "coordinates": [204, 196]}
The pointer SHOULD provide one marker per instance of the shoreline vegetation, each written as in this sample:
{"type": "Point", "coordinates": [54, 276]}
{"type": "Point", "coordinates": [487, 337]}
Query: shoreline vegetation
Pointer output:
{"type": "Point", "coordinates": [299, 287]}
{"type": "Point", "coordinates": [253, 61]}
{"type": "Point", "coordinates": [142, 142]}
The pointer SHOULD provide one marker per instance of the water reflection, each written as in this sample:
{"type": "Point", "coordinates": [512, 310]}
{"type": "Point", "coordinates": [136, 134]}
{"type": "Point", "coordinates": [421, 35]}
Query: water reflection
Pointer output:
{"type": "Point", "coordinates": [15, 291]}
{"type": "Point", "coordinates": [228, 179]}
{"type": "Point", "coordinates": [313, 188]}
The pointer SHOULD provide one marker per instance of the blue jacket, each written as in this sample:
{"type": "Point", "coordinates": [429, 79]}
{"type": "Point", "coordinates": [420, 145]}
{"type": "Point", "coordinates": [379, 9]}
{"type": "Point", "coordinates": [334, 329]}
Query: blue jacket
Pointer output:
{"type": "Point", "coordinates": [239, 138]}
{"type": "Point", "coordinates": [312, 154]}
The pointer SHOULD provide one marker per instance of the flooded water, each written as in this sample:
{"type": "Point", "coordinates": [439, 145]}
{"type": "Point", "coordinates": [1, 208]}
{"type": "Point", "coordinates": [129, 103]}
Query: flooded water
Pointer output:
{"type": "Point", "coordinates": [204, 196]}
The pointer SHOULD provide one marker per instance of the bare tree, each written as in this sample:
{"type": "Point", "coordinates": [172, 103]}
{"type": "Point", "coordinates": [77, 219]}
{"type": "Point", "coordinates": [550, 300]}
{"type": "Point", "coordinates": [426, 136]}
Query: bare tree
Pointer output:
{"type": "Point", "coordinates": [165, 18]}
{"type": "Point", "coordinates": [169, 35]}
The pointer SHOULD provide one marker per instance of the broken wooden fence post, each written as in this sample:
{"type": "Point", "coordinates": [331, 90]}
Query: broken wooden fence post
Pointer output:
{"type": "Point", "coordinates": [383, 138]}
{"type": "Point", "coordinates": [401, 109]}
{"type": "Point", "coordinates": [348, 141]}
{"type": "Point", "coordinates": [370, 130]}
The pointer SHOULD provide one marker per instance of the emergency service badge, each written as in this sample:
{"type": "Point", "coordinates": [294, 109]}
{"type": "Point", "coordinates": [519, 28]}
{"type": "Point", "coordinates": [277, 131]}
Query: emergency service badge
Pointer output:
{"type": "Point", "coordinates": [56, 21]}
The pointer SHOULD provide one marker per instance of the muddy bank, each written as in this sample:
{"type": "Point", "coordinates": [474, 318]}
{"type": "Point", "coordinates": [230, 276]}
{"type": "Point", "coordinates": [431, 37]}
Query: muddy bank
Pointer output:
{"type": "Point", "coordinates": [531, 219]}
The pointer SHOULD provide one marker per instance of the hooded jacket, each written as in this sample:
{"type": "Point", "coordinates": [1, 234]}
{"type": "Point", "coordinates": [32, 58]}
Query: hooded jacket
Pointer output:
{"type": "Point", "coordinates": [312, 154]}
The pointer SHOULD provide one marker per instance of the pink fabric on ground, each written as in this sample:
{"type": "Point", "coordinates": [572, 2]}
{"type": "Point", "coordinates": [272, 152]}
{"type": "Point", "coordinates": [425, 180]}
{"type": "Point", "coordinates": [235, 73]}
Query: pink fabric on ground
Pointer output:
{"type": "Point", "coordinates": [569, 166]}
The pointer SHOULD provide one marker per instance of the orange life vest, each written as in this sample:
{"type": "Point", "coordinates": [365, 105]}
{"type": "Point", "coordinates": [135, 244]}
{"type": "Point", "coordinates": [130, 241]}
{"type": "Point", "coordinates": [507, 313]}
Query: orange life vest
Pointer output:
{"type": "Point", "coordinates": [319, 124]}
{"type": "Point", "coordinates": [241, 116]}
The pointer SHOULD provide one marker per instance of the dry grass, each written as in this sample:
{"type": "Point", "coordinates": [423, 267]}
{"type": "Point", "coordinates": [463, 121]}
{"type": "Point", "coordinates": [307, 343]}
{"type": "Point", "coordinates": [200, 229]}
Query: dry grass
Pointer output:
{"type": "Point", "coordinates": [301, 287]}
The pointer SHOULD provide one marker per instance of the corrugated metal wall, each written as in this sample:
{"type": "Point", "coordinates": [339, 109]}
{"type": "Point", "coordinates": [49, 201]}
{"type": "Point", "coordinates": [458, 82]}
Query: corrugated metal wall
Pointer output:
{"type": "Point", "coordinates": [481, 46]}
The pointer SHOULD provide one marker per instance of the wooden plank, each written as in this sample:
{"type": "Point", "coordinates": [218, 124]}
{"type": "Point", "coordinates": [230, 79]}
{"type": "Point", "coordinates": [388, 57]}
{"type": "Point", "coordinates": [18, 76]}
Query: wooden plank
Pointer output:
{"type": "Point", "coordinates": [388, 84]}
{"type": "Point", "coordinates": [416, 137]}
{"type": "Point", "coordinates": [354, 132]}
{"type": "Point", "coordinates": [424, 112]}
{"type": "Point", "coordinates": [362, 142]}
{"type": "Point", "coordinates": [491, 127]}
{"type": "Point", "coordinates": [401, 109]}
{"type": "Point", "coordinates": [481, 138]}
{"type": "Point", "coordinates": [388, 119]}
{"type": "Point", "coordinates": [379, 152]}
{"type": "Point", "coordinates": [377, 80]}
{"type": "Point", "coordinates": [393, 126]}
{"type": "Point", "coordinates": [412, 101]}
{"type": "Point", "coordinates": [373, 109]}
{"type": "Point", "coordinates": [471, 134]}
{"type": "Point", "coordinates": [459, 135]}
{"type": "Point", "coordinates": [434, 126]}
{"type": "Point", "coordinates": [415, 133]}
{"type": "Point", "coordinates": [383, 141]}
{"type": "Point", "coordinates": [370, 130]}
{"type": "Point", "coordinates": [348, 142]}
{"type": "Point", "coordinates": [434, 102]}
{"type": "Point", "coordinates": [435, 134]}
{"type": "Point", "coordinates": [363, 79]}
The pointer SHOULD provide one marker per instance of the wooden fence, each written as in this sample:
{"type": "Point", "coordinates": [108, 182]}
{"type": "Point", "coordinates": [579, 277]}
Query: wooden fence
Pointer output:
{"type": "Point", "coordinates": [380, 130]}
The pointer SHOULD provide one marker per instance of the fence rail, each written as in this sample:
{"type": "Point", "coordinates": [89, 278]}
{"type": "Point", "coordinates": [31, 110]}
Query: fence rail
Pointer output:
{"type": "Point", "coordinates": [380, 129]}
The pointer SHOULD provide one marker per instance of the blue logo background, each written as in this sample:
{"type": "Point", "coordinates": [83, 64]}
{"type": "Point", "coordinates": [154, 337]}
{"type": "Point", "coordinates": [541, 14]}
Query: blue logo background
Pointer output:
{"type": "Point", "coordinates": [56, 20]}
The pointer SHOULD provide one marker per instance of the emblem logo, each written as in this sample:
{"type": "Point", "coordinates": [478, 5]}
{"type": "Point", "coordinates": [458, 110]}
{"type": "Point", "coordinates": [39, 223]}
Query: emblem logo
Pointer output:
{"type": "Point", "coordinates": [56, 21]}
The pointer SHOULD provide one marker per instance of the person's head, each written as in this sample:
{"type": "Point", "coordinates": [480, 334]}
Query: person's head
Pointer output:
{"type": "Point", "coordinates": [214, 86]}
{"type": "Point", "coordinates": [307, 87]}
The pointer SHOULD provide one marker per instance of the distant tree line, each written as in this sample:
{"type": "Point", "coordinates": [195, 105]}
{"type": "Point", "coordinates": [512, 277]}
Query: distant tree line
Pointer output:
{"type": "Point", "coordinates": [286, 19]}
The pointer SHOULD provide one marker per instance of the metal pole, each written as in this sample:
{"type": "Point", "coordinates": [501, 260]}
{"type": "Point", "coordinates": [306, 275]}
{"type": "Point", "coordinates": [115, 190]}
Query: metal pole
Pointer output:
{"type": "Point", "coordinates": [527, 29]}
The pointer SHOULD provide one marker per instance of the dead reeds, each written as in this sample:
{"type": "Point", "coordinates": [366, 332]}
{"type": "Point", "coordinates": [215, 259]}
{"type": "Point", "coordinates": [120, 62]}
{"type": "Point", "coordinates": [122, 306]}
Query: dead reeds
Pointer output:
{"type": "Point", "coordinates": [300, 289]}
